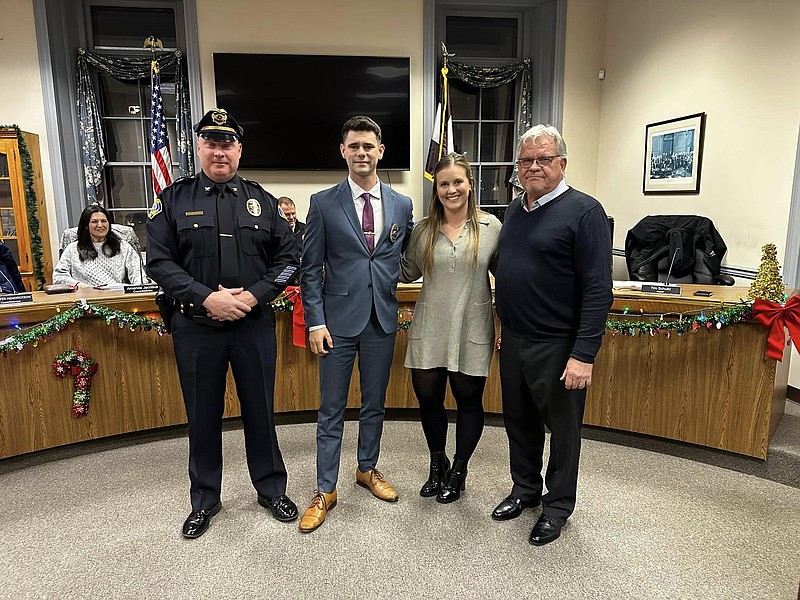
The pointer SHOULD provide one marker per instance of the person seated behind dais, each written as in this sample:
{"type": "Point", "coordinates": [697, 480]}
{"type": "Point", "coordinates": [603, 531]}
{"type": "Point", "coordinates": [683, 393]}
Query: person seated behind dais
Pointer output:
{"type": "Point", "coordinates": [10, 279]}
{"type": "Point", "coordinates": [99, 257]}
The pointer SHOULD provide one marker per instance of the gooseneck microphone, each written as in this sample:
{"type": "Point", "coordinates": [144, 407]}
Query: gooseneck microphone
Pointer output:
{"type": "Point", "coordinates": [672, 264]}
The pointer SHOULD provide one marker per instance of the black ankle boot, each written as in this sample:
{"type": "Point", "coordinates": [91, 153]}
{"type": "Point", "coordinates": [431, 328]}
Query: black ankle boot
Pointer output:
{"type": "Point", "coordinates": [437, 476]}
{"type": "Point", "coordinates": [455, 484]}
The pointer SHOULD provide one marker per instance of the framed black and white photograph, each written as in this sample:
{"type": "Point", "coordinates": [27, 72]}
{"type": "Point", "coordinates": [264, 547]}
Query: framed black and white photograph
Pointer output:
{"type": "Point", "coordinates": [673, 155]}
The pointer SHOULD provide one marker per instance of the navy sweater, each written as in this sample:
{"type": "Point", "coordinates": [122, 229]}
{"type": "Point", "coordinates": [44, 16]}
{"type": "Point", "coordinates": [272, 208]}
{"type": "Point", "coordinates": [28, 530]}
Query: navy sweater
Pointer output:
{"type": "Point", "coordinates": [553, 279]}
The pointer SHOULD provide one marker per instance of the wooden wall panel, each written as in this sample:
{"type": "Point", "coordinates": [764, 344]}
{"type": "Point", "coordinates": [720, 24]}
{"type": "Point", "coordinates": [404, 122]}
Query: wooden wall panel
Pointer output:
{"type": "Point", "coordinates": [715, 389]}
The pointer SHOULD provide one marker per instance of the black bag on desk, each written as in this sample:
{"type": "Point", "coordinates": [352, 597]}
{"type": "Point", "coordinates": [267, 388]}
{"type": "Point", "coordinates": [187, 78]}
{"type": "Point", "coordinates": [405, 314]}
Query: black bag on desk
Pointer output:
{"type": "Point", "coordinates": [59, 288]}
{"type": "Point", "coordinates": [166, 306]}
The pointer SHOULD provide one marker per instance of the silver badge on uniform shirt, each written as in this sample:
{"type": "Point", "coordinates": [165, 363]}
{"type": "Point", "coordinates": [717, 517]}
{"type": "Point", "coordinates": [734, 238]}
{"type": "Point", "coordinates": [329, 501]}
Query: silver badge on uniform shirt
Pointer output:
{"type": "Point", "coordinates": [253, 207]}
{"type": "Point", "coordinates": [394, 232]}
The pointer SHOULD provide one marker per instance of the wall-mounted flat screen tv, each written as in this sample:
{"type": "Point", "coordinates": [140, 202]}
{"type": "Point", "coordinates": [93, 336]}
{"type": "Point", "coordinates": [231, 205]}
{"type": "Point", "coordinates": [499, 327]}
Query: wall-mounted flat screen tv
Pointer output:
{"type": "Point", "coordinates": [292, 107]}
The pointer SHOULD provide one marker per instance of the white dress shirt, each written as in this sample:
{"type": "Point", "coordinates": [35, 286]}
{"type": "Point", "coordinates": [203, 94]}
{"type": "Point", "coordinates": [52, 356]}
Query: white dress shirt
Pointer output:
{"type": "Point", "coordinates": [377, 205]}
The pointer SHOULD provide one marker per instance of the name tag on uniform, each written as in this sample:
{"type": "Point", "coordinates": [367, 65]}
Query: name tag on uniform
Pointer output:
{"type": "Point", "coordinates": [194, 213]}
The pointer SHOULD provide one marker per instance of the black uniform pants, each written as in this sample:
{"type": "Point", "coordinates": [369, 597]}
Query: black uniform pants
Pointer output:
{"type": "Point", "coordinates": [535, 398]}
{"type": "Point", "coordinates": [203, 354]}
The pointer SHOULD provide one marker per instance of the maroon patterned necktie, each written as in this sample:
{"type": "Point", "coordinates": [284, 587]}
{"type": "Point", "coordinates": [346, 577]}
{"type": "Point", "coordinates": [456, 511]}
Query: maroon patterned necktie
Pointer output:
{"type": "Point", "coordinates": [368, 222]}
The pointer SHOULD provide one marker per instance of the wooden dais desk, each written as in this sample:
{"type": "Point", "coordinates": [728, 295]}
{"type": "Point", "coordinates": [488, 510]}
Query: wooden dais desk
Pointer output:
{"type": "Point", "coordinates": [715, 389]}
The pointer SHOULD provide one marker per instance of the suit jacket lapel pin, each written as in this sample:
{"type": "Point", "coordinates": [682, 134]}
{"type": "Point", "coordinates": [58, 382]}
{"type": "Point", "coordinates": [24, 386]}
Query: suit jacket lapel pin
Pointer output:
{"type": "Point", "coordinates": [253, 207]}
{"type": "Point", "coordinates": [394, 232]}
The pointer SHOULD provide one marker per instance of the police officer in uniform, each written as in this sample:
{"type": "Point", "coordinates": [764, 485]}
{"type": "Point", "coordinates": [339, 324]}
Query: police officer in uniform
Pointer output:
{"type": "Point", "coordinates": [220, 250]}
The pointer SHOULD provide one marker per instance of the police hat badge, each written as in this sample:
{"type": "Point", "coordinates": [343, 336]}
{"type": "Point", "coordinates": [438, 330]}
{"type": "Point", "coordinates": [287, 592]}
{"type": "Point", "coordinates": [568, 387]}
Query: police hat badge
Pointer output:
{"type": "Point", "coordinates": [219, 126]}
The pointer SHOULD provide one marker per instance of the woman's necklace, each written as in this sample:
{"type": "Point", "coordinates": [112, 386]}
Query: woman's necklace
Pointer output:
{"type": "Point", "coordinates": [459, 226]}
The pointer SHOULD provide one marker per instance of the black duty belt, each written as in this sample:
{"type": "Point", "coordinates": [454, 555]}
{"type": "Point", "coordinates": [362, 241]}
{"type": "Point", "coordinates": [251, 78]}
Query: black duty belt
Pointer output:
{"type": "Point", "coordinates": [198, 314]}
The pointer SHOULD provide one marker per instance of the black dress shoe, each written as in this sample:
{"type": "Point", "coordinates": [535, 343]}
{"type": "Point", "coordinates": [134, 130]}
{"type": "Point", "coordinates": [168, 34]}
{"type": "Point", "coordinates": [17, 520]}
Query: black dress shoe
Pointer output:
{"type": "Point", "coordinates": [198, 521]}
{"type": "Point", "coordinates": [511, 508]}
{"type": "Point", "coordinates": [546, 530]}
{"type": "Point", "coordinates": [281, 507]}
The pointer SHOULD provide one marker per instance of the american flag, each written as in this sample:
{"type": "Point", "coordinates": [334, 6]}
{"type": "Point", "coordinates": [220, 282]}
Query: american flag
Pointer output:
{"type": "Point", "coordinates": [159, 141]}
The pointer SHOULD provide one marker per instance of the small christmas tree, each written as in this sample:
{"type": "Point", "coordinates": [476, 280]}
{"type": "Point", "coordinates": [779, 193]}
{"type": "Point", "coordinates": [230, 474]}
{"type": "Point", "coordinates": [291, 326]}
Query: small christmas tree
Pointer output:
{"type": "Point", "coordinates": [768, 283]}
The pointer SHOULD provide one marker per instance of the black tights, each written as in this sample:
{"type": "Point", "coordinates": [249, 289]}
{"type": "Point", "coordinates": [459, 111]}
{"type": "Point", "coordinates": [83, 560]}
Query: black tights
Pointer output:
{"type": "Point", "coordinates": [430, 386]}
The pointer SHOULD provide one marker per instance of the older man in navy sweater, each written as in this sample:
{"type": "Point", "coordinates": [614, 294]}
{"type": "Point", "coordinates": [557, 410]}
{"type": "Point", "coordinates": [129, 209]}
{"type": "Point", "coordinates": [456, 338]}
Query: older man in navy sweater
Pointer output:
{"type": "Point", "coordinates": [553, 294]}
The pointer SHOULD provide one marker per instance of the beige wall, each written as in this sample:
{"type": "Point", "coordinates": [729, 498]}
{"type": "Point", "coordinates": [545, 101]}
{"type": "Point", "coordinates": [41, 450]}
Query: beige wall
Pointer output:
{"type": "Point", "coordinates": [357, 27]}
{"type": "Point", "coordinates": [21, 99]}
{"type": "Point", "coordinates": [583, 57]}
{"type": "Point", "coordinates": [737, 61]}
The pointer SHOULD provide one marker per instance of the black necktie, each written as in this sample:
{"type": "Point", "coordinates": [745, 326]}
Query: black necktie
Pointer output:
{"type": "Point", "coordinates": [228, 251]}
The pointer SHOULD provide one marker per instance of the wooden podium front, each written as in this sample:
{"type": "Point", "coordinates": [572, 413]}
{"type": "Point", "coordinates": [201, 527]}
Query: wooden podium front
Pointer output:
{"type": "Point", "coordinates": [715, 388]}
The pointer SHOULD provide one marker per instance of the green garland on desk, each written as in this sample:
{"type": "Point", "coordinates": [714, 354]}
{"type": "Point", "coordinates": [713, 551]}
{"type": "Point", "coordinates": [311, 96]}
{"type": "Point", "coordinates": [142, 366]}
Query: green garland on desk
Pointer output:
{"type": "Point", "coordinates": [679, 323]}
{"type": "Point", "coordinates": [43, 331]}
{"type": "Point", "coordinates": [30, 206]}
{"type": "Point", "coordinates": [656, 323]}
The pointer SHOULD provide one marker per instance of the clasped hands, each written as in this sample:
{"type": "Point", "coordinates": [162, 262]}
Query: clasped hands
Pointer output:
{"type": "Point", "coordinates": [229, 304]}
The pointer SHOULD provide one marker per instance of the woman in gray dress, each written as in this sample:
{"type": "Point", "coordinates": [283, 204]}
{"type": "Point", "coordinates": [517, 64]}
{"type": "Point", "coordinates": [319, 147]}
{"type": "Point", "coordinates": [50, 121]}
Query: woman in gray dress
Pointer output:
{"type": "Point", "coordinates": [452, 333]}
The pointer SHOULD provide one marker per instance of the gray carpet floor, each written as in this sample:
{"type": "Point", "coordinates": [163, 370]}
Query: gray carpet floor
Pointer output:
{"type": "Point", "coordinates": [105, 524]}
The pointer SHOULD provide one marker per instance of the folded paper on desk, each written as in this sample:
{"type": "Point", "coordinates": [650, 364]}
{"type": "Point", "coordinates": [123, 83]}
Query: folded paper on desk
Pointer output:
{"type": "Point", "coordinates": [128, 288]}
{"type": "Point", "coordinates": [627, 285]}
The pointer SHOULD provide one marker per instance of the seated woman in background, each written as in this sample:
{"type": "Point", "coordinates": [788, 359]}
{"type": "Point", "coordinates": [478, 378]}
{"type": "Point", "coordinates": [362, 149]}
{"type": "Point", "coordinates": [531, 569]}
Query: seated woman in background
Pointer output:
{"type": "Point", "coordinates": [99, 257]}
{"type": "Point", "coordinates": [452, 333]}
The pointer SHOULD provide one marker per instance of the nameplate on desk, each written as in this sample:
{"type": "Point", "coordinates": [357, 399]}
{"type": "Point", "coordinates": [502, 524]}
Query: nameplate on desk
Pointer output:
{"type": "Point", "coordinates": [139, 289]}
{"type": "Point", "coordinates": [661, 288]}
{"type": "Point", "coordinates": [15, 298]}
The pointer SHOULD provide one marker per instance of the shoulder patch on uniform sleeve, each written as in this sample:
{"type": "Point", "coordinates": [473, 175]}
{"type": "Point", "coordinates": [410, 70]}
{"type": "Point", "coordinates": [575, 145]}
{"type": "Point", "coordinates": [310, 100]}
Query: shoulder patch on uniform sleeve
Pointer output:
{"type": "Point", "coordinates": [156, 209]}
{"type": "Point", "coordinates": [281, 213]}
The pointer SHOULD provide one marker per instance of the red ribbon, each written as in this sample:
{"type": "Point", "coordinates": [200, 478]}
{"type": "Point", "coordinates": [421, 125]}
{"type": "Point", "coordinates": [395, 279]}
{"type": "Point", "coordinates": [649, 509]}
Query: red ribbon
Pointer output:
{"type": "Point", "coordinates": [775, 317]}
{"type": "Point", "coordinates": [298, 316]}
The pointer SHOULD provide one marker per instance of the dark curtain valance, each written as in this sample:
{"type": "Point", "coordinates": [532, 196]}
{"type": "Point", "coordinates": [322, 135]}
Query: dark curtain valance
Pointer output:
{"type": "Point", "coordinates": [488, 77]}
{"type": "Point", "coordinates": [126, 69]}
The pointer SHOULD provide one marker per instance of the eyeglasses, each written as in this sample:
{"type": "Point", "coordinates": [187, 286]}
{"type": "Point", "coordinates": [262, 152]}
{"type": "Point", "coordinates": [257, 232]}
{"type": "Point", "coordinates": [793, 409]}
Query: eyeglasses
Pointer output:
{"type": "Point", "coordinates": [542, 161]}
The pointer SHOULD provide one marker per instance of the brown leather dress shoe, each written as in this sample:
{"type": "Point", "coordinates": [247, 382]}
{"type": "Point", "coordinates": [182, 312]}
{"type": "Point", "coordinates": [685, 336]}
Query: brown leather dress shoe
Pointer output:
{"type": "Point", "coordinates": [373, 480]}
{"type": "Point", "coordinates": [316, 512]}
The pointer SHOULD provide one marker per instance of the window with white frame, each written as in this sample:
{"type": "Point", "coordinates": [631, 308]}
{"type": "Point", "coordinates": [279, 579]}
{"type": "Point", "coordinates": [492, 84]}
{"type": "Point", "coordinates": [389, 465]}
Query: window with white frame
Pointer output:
{"type": "Point", "coordinates": [124, 106]}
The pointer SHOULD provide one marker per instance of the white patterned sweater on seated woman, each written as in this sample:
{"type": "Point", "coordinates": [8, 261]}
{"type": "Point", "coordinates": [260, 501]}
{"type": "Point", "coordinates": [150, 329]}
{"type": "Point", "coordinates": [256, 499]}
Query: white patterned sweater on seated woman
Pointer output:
{"type": "Point", "coordinates": [125, 267]}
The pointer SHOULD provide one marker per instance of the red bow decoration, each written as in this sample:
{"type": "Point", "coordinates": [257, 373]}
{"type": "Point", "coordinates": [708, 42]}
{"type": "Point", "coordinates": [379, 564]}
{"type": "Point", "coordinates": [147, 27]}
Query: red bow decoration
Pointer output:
{"type": "Point", "coordinates": [775, 317]}
{"type": "Point", "coordinates": [298, 316]}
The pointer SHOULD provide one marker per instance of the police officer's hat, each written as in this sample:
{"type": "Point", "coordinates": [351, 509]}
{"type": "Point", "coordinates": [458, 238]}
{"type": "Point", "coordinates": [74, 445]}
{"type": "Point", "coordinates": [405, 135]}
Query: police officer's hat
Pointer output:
{"type": "Point", "coordinates": [217, 125]}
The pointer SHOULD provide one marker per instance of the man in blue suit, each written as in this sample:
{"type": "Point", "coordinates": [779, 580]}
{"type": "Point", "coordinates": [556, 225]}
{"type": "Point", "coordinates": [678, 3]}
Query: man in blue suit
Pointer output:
{"type": "Point", "coordinates": [355, 235]}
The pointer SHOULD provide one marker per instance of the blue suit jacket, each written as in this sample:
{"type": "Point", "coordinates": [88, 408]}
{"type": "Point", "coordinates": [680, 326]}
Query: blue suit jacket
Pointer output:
{"type": "Point", "coordinates": [341, 280]}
